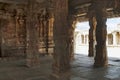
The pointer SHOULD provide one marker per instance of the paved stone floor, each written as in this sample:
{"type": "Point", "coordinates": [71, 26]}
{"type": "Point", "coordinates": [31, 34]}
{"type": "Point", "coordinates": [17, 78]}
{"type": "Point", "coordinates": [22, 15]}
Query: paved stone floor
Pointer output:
{"type": "Point", "coordinates": [81, 69]}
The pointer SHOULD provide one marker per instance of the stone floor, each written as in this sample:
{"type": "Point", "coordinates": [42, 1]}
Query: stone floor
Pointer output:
{"type": "Point", "coordinates": [81, 69]}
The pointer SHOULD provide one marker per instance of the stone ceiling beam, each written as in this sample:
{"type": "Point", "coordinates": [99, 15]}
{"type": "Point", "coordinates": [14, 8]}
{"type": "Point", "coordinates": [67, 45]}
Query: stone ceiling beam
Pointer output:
{"type": "Point", "coordinates": [14, 1]}
{"type": "Point", "coordinates": [75, 3]}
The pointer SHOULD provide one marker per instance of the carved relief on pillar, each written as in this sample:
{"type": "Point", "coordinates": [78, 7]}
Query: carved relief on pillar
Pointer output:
{"type": "Point", "coordinates": [20, 26]}
{"type": "Point", "coordinates": [46, 30]}
{"type": "Point", "coordinates": [61, 63]}
{"type": "Point", "coordinates": [9, 29]}
{"type": "Point", "coordinates": [92, 37]}
{"type": "Point", "coordinates": [41, 20]}
{"type": "Point", "coordinates": [43, 29]}
{"type": "Point", "coordinates": [32, 58]}
{"type": "Point", "coordinates": [72, 23]}
{"type": "Point", "coordinates": [101, 59]}
{"type": "Point", "coordinates": [0, 39]}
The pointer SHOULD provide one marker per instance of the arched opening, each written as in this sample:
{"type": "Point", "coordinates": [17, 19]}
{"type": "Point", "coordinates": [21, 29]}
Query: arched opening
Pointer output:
{"type": "Point", "coordinates": [81, 29]}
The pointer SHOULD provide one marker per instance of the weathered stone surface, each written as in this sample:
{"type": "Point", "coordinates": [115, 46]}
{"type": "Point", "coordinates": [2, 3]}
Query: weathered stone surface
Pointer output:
{"type": "Point", "coordinates": [32, 37]}
{"type": "Point", "coordinates": [61, 64]}
{"type": "Point", "coordinates": [92, 24]}
{"type": "Point", "coordinates": [72, 24]}
{"type": "Point", "coordinates": [101, 59]}
{"type": "Point", "coordinates": [0, 40]}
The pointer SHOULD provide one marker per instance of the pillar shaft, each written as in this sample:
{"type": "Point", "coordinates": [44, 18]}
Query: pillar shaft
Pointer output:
{"type": "Point", "coordinates": [32, 37]}
{"type": "Point", "coordinates": [2, 52]}
{"type": "Point", "coordinates": [47, 31]}
{"type": "Point", "coordinates": [61, 64]}
{"type": "Point", "coordinates": [101, 59]}
{"type": "Point", "coordinates": [92, 24]}
{"type": "Point", "coordinates": [0, 40]}
{"type": "Point", "coordinates": [114, 39]}
{"type": "Point", "coordinates": [72, 23]}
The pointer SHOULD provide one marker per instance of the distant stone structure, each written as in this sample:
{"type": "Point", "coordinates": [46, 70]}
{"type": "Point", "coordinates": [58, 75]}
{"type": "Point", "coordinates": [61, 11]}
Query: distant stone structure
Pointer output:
{"type": "Point", "coordinates": [113, 37]}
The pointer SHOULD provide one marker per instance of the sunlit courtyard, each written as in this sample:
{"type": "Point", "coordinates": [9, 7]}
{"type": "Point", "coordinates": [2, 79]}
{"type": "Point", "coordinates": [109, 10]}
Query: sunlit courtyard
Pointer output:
{"type": "Point", "coordinates": [81, 45]}
{"type": "Point", "coordinates": [112, 51]}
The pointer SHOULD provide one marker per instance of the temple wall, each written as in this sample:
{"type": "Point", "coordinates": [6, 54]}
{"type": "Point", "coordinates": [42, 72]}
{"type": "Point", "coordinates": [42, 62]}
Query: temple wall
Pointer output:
{"type": "Point", "coordinates": [13, 29]}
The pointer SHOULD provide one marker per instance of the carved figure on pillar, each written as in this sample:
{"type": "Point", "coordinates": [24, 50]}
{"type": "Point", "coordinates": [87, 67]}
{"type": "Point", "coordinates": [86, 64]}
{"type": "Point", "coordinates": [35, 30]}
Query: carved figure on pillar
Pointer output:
{"type": "Point", "coordinates": [72, 23]}
{"type": "Point", "coordinates": [43, 18]}
{"type": "Point", "coordinates": [21, 27]}
{"type": "Point", "coordinates": [32, 37]}
{"type": "Point", "coordinates": [46, 16]}
{"type": "Point", "coordinates": [0, 40]}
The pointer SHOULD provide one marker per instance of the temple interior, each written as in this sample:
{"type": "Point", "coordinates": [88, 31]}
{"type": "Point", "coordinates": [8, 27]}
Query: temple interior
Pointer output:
{"type": "Point", "coordinates": [37, 40]}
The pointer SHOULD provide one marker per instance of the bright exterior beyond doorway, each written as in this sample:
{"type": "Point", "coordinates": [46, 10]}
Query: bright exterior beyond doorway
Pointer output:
{"type": "Point", "coordinates": [113, 38]}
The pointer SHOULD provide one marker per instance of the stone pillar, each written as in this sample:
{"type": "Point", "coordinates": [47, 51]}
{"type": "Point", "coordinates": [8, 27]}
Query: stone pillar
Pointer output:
{"type": "Point", "coordinates": [47, 32]}
{"type": "Point", "coordinates": [32, 37]}
{"type": "Point", "coordinates": [92, 24]}
{"type": "Point", "coordinates": [101, 59]}
{"type": "Point", "coordinates": [2, 24]}
{"type": "Point", "coordinates": [114, 39]}
{"type": "Point", "coordinates": [0, 40]}
{"type": "Point", "coordinates": [20, 26]}
{"type": "Point", "coordinates": [61, 63]}
{"type": "Point", "coordinates": [72, 24]}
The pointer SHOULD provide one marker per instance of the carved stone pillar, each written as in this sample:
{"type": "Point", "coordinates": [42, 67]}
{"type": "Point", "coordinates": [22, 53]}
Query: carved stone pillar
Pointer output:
{"type": "Point", "coordinates": [101, 59]}
{"type": "Point", "coordinates": [47, 31]}
{"type": "Point", "coordinates": [92, 24]}
{"type": "Point", "coordinates": [0, 40]}
{"type": "Point", "coordinates": [72, 23]}
{"type": "Point", "coordinates": [20, 27]}
{"type": "Point", "coordinates": [61, 64]}
{"type": "Point", "coordinates": [1, 34]}
{"type": "Point", "coordinates": [32, 37]}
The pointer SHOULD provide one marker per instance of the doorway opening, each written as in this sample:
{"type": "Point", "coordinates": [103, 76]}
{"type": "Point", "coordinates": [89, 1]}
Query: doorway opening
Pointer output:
{"type": "Point", "coordinates": [81, 37]}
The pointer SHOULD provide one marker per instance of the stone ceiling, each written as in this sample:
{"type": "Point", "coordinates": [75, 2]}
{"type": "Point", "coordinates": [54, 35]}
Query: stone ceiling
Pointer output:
{"type": "Point", "coordinates": [76, 7]}
{"type": "Point", "coordinates": [15, 1]}
{"type": "Point", "coordinates": [79, 8]}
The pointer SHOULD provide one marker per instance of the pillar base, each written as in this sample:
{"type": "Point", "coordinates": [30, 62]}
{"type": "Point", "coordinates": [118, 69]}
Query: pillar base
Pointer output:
{"type": "Point", "coordinates": [60, 76]}
{"type": "Point", "coordinates": [96, 65]}
{"type": "Point", "coordinates": [32, 62]}
{"type": "Point", "coordinates": [90, 55]}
